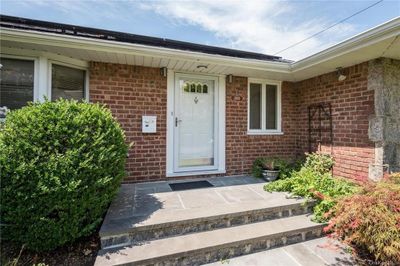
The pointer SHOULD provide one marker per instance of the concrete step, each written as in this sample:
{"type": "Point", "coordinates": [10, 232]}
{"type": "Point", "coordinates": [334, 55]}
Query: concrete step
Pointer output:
{"type": "Point", "coordinates": [316, 252]}
{"type": "Point", "coordinates": [210, 246]}
{"type": "Point", "coordinates": [181, 222]}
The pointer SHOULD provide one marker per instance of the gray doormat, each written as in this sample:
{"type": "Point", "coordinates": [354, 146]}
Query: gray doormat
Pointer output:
{"type": "Point", "coordinates": [190, 185]}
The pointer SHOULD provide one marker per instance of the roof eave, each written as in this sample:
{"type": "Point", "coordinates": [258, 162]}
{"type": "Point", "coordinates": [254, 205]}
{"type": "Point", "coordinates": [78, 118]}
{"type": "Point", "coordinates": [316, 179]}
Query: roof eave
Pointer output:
{"type": "Point", "coordinates": [45, 38]}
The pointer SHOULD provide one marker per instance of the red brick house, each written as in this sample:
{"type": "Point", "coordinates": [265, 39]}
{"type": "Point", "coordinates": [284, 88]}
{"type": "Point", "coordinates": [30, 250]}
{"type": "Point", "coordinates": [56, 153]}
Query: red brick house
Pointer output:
{"type": "Point", "coordinates": [196, 110]}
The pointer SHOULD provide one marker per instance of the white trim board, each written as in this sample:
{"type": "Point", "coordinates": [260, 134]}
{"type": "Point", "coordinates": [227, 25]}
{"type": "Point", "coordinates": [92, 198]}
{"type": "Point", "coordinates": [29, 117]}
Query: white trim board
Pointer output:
{"type": "Point", "coordinates": [42, 69]}
{"type": "Point", "coordinates": [263, 131]}
{"type": "Point", "coordinates": [360, 48]}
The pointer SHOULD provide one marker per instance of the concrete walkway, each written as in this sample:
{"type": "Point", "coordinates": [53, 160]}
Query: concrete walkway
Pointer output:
{"type": "Point", "coordinates": [316, 252]}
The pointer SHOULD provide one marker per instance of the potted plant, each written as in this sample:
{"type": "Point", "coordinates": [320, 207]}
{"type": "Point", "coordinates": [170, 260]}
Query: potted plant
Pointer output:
{"type": "Point", "coordinates": [270, 169]}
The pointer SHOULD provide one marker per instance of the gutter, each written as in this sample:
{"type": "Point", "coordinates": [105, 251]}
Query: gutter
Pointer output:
{"type": "Point", "coordinates": [381, 32]}
{"type": "Point", "coordinates": [44, 38]}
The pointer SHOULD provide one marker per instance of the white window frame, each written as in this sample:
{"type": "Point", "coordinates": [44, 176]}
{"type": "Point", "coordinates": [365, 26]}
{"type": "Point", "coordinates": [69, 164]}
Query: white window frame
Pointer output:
{"type": "Point", "coordinates": [35, 71]}
{"type": "Point", "coordinates": [263, 130]}
{"type": "Point", "coordinates": [49, 76]}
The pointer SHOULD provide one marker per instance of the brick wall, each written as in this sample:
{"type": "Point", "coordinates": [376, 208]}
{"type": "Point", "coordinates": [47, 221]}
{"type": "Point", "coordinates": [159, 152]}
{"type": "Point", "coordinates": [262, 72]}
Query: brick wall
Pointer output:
{"type": "Point", "coordinates": [352, 104]}
{"type": "Point", "coordinates": [243, 149]}
{"type": "Point", "coordinates": [130, 92]}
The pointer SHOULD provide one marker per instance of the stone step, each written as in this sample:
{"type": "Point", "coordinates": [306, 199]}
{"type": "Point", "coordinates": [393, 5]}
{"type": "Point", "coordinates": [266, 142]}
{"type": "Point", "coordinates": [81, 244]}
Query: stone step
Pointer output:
{"type": "Point", "coordinates": [182, 222]}
{"type": "Point", "coordinates": [210, 246]}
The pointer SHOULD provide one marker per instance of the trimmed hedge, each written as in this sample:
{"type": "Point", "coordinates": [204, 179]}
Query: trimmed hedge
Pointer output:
{"type": "Point", "coordinates": [61, 163]}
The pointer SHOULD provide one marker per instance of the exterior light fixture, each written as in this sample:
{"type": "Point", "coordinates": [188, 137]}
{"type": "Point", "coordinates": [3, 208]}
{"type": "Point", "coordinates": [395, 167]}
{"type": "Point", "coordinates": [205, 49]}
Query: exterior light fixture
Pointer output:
{"type": "Point", "coordinates": [163, 71]}
{"type": "Point", "coordinates": [340, 74]}
{"type": "Point", "coordinates": [202, 67]}
{"type": "Point", "coordinates": [230, 78]}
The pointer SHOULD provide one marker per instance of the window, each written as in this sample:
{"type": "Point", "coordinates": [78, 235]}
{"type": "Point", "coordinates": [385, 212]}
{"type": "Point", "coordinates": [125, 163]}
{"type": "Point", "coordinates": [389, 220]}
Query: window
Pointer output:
{"type": "Point", "coordinates": [264, 107]}
{"type": "Point", "coordinates": [67, 82]}
{"type": "Point", "coordinates": [16, 82]}
{"type": "Point", "coordinates": [195, 87]}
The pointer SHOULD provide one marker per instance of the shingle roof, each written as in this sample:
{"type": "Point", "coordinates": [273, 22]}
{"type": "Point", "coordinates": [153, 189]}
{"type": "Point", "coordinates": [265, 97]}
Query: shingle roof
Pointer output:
{"type": "Point", "coordinates": [94, 33]}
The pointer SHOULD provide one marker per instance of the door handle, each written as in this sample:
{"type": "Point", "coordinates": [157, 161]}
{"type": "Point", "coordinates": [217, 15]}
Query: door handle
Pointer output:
{"type": "Point", "coordinates": [177, 121]}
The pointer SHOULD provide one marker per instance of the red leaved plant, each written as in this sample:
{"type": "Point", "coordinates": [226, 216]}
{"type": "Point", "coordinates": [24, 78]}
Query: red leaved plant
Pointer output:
{"type": "Point", "coordinates": [370, 219]}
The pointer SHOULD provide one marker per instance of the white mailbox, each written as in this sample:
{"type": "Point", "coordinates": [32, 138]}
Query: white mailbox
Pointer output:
{"type": "Point", "coordinates": [149, 124]}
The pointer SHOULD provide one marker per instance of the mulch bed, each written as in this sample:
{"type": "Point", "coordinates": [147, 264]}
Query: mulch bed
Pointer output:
{"type": "Point", "coordinates": [81, 252]}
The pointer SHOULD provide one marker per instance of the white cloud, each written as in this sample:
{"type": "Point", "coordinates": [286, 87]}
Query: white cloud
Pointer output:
{"type": "Point", "coordinates": [254, 25]}
{"type": "Point", "coordinates": [257, 25]}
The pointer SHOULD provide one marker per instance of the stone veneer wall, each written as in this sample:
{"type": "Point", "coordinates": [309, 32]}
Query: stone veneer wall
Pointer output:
{"type": "Point", "coordinates": [384, 131]}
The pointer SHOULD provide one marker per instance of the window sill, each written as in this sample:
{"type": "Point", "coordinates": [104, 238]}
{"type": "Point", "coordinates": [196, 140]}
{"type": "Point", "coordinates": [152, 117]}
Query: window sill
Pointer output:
{"type": "Point", "coordinates": [264, 133]}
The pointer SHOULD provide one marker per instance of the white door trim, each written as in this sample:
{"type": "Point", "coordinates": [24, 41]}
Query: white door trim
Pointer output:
{"type": "Point", "coordinates": [219, 116]}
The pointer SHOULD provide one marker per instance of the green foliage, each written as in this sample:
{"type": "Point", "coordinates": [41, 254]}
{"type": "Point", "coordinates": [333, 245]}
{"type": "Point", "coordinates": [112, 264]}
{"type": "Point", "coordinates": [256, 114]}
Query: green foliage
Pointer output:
{"type": "Point", "coordinates": [61, 163]}
{"type": "Point", "coordinates": [283, 166]}
{"type": "Point", "coordinates": [321, 163]}
{"type": "Point", "coordinates": [370, 220]}
{"type": "Point", "coordinates": [316, 183]}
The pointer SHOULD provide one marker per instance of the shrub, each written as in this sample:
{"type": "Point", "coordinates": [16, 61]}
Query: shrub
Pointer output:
{"type": "Point", "coordinates": [60, 165]}
{"type": "Point", "coordinates": [321, 163]}
{"type": "Point", "coordinates": [314, 181]}
{"type": "Point", "coordinates": [370, 220]}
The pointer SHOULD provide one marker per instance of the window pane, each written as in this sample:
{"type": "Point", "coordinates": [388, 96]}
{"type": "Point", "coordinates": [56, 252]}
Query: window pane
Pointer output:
{"type": "Point", "coordinates": [270, 108]}
{"type": "Point", "coordinates": [16, 82]}
{"type": "Point", "coordinates": [255, 106]}
{"type": "Point", "coordinates": [67, 83]}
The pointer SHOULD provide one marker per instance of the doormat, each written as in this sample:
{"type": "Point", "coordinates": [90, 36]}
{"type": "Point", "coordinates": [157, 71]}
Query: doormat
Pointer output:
{"type": "Point", "coordinates": [190, 185]}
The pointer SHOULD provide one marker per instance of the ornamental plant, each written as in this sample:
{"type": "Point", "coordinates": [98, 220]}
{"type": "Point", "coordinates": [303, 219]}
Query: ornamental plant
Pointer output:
{"type": "Point", "coordinates": [370, 220]}
{"type": "Point", "coordinates": [61, 163]}
{"type": "Point", "coordinates": [271, 163]}
{"type": "Point", "coordinates": [314, 181]}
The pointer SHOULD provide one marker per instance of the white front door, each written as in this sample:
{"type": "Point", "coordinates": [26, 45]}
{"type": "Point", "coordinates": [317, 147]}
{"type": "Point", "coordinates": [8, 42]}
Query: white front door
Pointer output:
{"type": "Point", "coordinates": [195, 123]}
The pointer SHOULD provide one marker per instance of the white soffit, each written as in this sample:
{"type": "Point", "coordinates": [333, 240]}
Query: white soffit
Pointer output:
{"type": "Point", "coordinates": [381, 41]}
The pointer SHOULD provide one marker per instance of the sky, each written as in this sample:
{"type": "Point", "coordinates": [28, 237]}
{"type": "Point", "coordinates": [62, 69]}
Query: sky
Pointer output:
{"type": "Point", "coordinates": [252, 25]}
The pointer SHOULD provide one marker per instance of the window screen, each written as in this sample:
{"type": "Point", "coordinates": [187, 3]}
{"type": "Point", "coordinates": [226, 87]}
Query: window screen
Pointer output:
{"type": "Point", "coordinates": [255, 106]}
{"type": "Point", "coordinates": [67, 83]}
{"type": "Point", "coordinates": [16, 82]}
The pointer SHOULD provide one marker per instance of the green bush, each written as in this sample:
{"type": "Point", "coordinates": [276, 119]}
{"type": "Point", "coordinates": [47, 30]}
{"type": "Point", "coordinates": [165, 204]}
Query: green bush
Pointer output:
{"type": "Point", "coordinates": [370, 220]}
{"type": "Point", "coordinates": [321, 163]}
{"type": "Point", "coordinates": [61, 163]}
{"type": "Point", "coordinates": [316, 183]}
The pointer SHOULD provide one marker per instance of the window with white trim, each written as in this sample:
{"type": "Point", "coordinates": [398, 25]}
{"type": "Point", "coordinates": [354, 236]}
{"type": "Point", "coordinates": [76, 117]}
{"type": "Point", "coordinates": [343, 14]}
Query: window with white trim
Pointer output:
{"type": "Point", "coordinates": [16, 82]}
{"type": "Point", "coordinates": [264, 107]}
{"type": "Point", "coordinates": [67, 82]}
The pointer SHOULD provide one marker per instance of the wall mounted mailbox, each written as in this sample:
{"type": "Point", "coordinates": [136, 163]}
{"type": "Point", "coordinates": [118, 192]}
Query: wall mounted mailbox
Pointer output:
{"type": "Point", "coordinates": [149, 124]}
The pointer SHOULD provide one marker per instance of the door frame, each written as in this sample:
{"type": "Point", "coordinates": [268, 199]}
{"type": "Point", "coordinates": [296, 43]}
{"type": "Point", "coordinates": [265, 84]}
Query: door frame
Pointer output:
{"type": "Point", "coordinates": [219, 125]}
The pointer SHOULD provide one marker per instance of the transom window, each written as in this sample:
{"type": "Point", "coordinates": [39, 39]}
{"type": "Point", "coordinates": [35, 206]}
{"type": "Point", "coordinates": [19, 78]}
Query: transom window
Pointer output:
{"type": "Point", "coordinates": [195, 87]}
{"type": "Point", "coordinates": [264, 107]}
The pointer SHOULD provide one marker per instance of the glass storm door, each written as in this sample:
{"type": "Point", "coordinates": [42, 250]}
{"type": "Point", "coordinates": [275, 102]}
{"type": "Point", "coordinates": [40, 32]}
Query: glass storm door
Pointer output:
{"type": "Point", "coordinates": [194, 124]}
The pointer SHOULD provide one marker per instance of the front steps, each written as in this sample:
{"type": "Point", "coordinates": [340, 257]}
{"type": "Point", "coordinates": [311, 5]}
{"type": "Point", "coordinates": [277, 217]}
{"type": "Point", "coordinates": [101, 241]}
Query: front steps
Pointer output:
{"type": "Point", "coordinates": [200, 226]}
{"type": "Point", "coordinates": [199, 221]}
{"type": "Point", "coordinates": [210, 246]}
